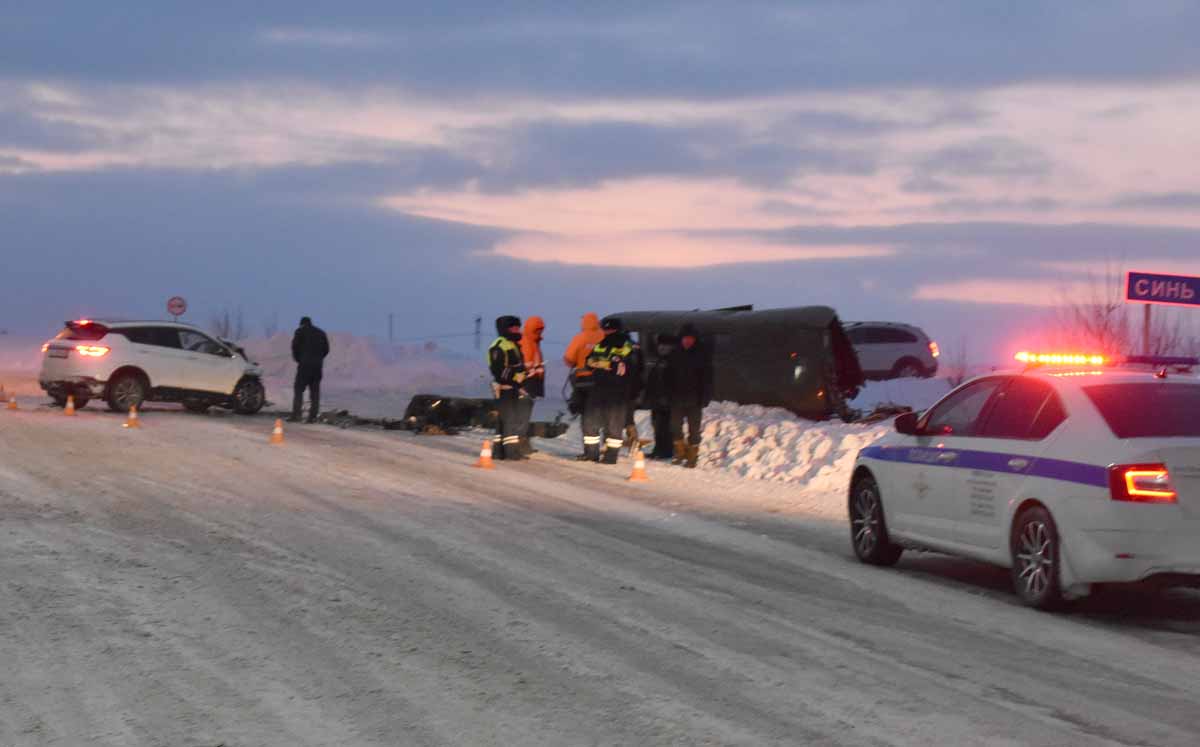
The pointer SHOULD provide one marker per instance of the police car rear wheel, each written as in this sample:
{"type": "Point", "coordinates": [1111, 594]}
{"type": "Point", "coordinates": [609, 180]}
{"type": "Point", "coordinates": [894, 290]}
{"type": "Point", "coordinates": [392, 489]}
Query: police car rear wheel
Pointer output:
{"type": "Point", "coordinates": [1035, 554]}
{"type": "Point", "coordinates": [868, 532]}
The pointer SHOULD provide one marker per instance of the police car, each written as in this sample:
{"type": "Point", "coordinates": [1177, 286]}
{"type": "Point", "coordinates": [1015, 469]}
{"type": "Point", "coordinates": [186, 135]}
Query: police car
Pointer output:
{"type": "Point", "coordinates": [1073, 471]}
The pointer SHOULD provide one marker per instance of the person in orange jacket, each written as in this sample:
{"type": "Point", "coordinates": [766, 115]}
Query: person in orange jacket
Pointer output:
{"type": "Point", "coordinates": [535, 370]}
{"type": "Point", "coordinates": [576, 357]}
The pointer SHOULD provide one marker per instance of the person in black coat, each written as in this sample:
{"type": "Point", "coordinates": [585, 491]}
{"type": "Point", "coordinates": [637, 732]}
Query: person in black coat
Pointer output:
{"type": "Point", "coordinates": [690, 382]}
{"type": "Point", "coordinates": [310, 345]}
{"type": "Point", "coordinates": [657, 396]}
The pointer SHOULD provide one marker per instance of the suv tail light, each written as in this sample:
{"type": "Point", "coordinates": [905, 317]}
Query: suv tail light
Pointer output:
{"type": "Point", "coordinates": [1141, 483]}
{"type": "Point", "coordinates": [933, 349]}
{"type": "Point", "coordinates": [91, 351]}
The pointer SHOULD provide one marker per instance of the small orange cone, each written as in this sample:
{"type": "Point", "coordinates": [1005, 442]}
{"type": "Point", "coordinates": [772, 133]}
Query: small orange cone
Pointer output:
{"type": "Point", "coordinates": [132, 421]}
{"type": "Point", "coordinates": [485, 456]}
{"type": "Point", "coordinates": [277, 433]}
{"type": "Point", "coordinates": [639, 467]}
{"type": "Point", "coordinates": [12, 403]}
{"type": "Point", "coordinates": [70, 408]}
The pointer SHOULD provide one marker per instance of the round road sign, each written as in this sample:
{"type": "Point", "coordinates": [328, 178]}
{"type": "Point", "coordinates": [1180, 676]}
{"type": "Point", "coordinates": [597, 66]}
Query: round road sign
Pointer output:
{"type": "Point", "coordinates": [176, 306]}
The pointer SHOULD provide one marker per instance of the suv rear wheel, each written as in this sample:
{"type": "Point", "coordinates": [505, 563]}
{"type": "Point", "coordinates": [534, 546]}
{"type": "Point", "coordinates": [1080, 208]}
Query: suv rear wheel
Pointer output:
{"type": "Point", "coordinates": [61, 400]}
{"type": "Point", "coordinates": [908, 368]}
{"type": "Point", "coordinates": [249, 397]}
{"type": "Point", "coordinates": [125, 391]}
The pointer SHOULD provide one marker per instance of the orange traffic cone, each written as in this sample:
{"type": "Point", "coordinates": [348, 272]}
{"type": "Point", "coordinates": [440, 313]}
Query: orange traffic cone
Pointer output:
{"type": "Point", "coordinates": [132, 421]}
{"type": "Point", "coordinates": [70, 408]}
{"type": "Point", "coordinates": [639, 468]}
{"type": "Point", "coordinates": [277, 433]}
{"type": "Point", "coordinates": [485, 456]}
{"type": "Point", "coordinates": [12, 403]}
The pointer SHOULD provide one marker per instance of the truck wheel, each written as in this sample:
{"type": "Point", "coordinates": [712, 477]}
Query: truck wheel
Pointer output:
{"type": "Point", "coordinates": [249, 397]}
{"type": "Point", "coordinates": [868, 531]}
{"type": "Point", "coordinates": [125, 391]}
{"type": "Point", "coordinates": [1035, 555]}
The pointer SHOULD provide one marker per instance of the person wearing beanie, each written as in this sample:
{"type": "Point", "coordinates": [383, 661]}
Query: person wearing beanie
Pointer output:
{"type": "Point", "coordinates": [607, 401]}
{"type": "Point", "coordinates": [310, 346]}
{"type": "Point", "coordinates": [690, 382]}
{"type": "Point", "coordinates": [507, 367]}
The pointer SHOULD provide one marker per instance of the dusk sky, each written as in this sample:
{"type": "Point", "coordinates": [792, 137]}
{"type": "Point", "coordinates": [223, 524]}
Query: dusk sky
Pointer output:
{"type": "Point", "coordinates": [958, 165]}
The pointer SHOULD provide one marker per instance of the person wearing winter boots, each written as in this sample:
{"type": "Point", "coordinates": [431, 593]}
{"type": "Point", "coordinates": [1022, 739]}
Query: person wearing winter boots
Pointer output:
{"type": "Point", "coordinates": [535, 371]}
{"type": "Point", "coordinates": [508, 380]}
{"type": "Point", "coordinates": [310, 346]}
{"type": "Point", "coordinates": [607, 401]}
{"type": "Point", "coordinates": [690, 379]}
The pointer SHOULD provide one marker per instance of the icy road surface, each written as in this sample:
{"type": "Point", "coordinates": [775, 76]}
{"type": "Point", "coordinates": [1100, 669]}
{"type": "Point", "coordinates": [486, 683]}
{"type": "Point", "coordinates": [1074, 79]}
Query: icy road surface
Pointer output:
{"type": "Point", "coordinates": [188, 584]}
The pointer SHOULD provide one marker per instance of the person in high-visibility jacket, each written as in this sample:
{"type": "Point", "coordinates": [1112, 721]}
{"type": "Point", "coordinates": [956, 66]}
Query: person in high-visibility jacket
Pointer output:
{"type": "Point", "coordinates": [508, 378]}
{"type": "Point", "coordinates": [535, 369]}
{"type": "Point", "coordinates": [608, 399]}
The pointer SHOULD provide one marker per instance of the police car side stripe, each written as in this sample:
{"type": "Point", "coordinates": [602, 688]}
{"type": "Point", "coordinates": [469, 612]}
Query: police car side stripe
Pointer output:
{"type": "Point", "coordinates": [992, 461]}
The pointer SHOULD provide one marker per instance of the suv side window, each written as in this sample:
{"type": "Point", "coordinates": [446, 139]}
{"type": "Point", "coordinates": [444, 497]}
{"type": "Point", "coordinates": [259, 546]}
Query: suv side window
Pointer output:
{"type": "Point", "coordinates": [868, 335]}
{"type": "Point", "coordinates": [163, 337]}
{"type": "Point", "coordinates": [198, 343]}
{"type": "Point", "coordinates": [959, 414]}
{"type": "Point", "coordinates": [1025, 409]}
{"type": "Point", "coordinates": [897, 336]}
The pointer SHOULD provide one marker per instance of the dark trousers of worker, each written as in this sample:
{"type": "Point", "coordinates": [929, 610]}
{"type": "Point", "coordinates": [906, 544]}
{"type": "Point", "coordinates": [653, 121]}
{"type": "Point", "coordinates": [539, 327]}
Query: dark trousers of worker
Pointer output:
{"type": "Point", "coordinates": [309, 379]}
{"type": "Point", "coordinates": [514, 423]}
{"type": "Point", "coordinates": [604, 414]}
{"type": "Point", "coordinates": [690, 413]}
{"type": "Point", "coordinates": [660, 417]}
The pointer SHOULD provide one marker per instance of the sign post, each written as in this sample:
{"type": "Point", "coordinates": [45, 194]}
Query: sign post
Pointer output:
{"type": "Point", "coordinates": [176, 306]}
{"type": "Point", "coordinates": [1153, 288]}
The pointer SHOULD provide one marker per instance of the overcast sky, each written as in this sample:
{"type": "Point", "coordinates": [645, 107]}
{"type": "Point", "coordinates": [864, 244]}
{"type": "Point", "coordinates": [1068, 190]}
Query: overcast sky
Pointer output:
{"type": "Point", "coordinates": [959, 165]}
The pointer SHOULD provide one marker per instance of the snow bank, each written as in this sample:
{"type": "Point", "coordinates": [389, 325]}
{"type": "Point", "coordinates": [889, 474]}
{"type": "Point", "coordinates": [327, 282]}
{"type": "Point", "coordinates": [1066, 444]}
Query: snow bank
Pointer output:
{"type": "Point", "coordinates": [918, 394]}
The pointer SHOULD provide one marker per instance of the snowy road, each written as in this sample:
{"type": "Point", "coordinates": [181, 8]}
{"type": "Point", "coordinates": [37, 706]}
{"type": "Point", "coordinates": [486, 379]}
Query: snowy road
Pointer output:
{"type": "Point", "coordinates": [187, 584]}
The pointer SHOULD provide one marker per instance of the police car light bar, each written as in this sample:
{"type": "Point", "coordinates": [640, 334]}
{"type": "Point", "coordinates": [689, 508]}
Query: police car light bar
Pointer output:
{"type": "Point", "coordinates": [1060, 359]}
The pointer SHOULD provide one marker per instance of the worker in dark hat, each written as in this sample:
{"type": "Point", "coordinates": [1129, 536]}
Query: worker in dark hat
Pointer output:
{"type": "Point", "coordinates": [310, 346]}
{"type": "Point", "coordinates": [690, 380]}
{"type": "Point", "coordinates": [607, 402]}
{"type": "Point", "coordinates": [508, 377]}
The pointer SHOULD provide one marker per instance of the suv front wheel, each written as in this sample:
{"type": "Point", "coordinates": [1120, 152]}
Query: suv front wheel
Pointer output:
{"type": "Point", "coordinates": [125, 391]}
{"type": "Point", "coordinates": [249, 397]}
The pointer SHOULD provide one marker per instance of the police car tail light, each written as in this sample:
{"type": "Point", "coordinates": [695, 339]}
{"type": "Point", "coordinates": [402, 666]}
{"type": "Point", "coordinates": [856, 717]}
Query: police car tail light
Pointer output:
{"type": "Point", "coordinates": [1141, 483]}
{"type": "Point", "coordinates": [91, 351]}
{"type": "Point", "coordinates": [934, 350]}
{"type": "Point", "coordinates": [1061, 359]}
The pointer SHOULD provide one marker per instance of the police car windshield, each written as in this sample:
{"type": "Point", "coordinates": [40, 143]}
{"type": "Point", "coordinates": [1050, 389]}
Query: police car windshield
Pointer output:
{"type": "Point", "coordinates": [1149, 410]}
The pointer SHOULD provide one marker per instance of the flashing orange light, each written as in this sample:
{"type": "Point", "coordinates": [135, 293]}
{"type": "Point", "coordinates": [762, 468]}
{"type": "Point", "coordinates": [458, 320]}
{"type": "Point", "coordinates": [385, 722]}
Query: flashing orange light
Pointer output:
{"type": "Point", "coordinates": [91, 351]}
{"type": "Point", "coordinates": [84, 322]}
{"type": "Point", "coordinates": [1142, 483]}
{"type": "Point", "coordinates": [1061, 359]}
{"type": "Point", "coordinates": [45, 346]}
{"type": "Point", "coordinates": [934, 350]}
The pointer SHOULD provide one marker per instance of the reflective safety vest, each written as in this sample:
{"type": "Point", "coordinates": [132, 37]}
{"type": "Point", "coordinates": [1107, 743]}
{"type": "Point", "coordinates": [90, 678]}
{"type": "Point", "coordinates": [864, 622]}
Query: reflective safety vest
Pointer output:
{"type": "Point", "coordinates": [603, 357]}
{"type": "Point", "coordinates": [505, 362]}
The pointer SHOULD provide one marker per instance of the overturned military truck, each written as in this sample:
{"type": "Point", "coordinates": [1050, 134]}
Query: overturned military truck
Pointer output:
{"type": "Point", "coordinates": [797, 358]}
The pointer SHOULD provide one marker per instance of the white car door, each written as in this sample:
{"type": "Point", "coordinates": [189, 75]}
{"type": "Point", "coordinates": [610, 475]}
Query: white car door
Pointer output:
{"type": "Point", "coordinates": [156, 351]}
{"type": "Point", "coordinates": [1013, 435]}
{"type": "Point", "coordinates": [943, 449]}
{"type": "Point", "coordinates": [211, 366]}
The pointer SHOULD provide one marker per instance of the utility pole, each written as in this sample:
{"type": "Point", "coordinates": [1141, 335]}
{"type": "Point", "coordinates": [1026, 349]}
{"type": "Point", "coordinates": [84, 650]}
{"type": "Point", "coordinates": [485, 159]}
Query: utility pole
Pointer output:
{"type": "Point", "coordinates": [1146, 331]}
{"type": "Point", "coordinates": [478, 332]}
{"type": "Point", "coordinates": [391, 318]}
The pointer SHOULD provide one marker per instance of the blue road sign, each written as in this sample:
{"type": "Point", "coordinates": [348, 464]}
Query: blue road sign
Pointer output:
{"type": "Point", "coordinates": [1173, 290]}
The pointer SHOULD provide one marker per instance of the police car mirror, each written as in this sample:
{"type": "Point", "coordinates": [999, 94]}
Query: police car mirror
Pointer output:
{"type": "Point", "coordinates": [907, 424]}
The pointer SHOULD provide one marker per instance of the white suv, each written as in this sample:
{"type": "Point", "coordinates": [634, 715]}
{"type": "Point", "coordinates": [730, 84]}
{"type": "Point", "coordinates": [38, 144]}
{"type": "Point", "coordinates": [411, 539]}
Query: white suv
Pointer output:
{"type": "Point", "coordinates": [127, 363]}
{"type": "Point", "coordinates": [888, 350]}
